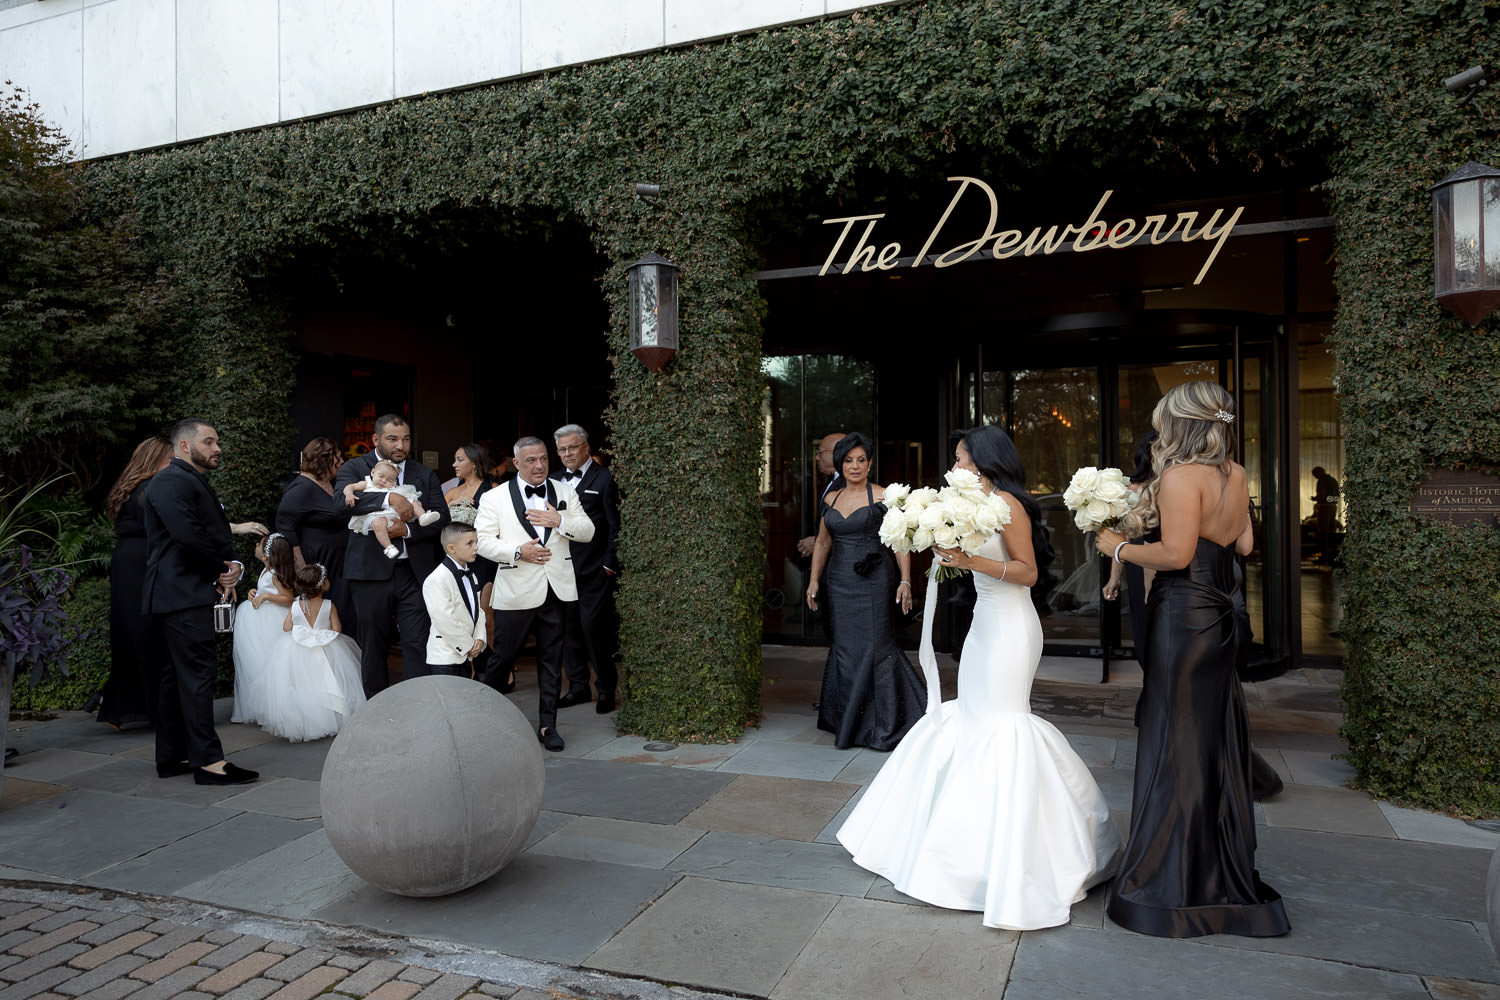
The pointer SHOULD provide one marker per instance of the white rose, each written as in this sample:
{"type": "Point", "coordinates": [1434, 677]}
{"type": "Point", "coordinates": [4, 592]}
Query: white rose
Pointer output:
{"type": "Point", "coordinates": [1000, 507]}
{"type": "Point", "coordinates": [964, 527]}
{"type": "Point", "coordinates": [1085, 480]}
{"type": "Point", "coordinates": [920, 498]}
{"type": "Point", "coordinates": [1110, 491]}
{"type": "Point", "coordinates": [1098, 510]}
{"type": "Point", "coordinates": [896, 494]}
{"type": "Point", "coordinates": [931, 516]}
{"type": "Point", "coordinates": [962, 479]}
{"type": "Point", "coordinates": [944, 536]}
{"type": "Point", "coordinates": [1119, 509]}
{"type": "Point", "coordinates": [971, 544]}
{"type": "Point", "coordinates": [921, 540]}
{"type": "Point", "coordinates": [961, 509]}
{"type": "Point", "coordinates": [986, 520]}
{"type": "Point", "coordinates": [1082, 521]}
{"type": "Point", "coordinates": [893, 530]}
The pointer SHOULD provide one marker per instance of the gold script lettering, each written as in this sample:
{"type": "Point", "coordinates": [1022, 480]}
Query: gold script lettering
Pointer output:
{"type": "Point", "coordinates": [848, 221]}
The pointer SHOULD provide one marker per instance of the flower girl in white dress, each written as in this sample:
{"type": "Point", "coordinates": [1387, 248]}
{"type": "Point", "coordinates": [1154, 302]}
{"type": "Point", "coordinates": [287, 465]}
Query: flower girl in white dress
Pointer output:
{"type": "Point", "coordinates": [258, 638]}
{"type": "Point", "coordinates": [315, 686]}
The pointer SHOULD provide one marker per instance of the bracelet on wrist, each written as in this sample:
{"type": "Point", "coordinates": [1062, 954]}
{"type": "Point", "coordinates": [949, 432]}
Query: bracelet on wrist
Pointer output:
{"type": "Point", "coordinates": [1004, 568]}
{"type": "Point", "coordinates": [1117, 551]}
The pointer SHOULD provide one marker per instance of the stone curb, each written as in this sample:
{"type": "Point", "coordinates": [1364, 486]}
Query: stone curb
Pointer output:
{"type": "Point", "coordinates": [155, 948]}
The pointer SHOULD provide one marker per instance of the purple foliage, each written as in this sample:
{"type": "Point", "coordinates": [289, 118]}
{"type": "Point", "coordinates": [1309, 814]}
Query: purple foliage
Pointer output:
{"type": "Point", "coordinates": [31, 616]}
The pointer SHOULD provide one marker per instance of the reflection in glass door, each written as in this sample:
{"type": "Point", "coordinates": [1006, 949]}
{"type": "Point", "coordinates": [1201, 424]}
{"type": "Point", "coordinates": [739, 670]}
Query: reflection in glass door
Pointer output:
{"type": "Point", "coordinates": [806, 397]}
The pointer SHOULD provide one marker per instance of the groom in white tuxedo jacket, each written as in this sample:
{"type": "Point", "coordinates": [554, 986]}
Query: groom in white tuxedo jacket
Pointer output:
{"type": "Point", "coordinates": [525, 526]}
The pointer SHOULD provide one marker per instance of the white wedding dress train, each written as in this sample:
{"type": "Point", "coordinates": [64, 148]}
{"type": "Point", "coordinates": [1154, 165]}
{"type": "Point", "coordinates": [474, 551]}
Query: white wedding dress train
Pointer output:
{"type": "Point", "coordinates": [983, 806]}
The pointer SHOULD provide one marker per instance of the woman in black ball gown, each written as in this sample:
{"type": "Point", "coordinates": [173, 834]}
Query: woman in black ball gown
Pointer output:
{"type": "Point", "coordinates": [1189, 865]}
{"type": "Point", "coordinates": [871, 694]}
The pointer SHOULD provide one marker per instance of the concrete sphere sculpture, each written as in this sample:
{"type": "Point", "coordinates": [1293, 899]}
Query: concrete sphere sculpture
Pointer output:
{"type": "Point", "coordinates": [432, 787]}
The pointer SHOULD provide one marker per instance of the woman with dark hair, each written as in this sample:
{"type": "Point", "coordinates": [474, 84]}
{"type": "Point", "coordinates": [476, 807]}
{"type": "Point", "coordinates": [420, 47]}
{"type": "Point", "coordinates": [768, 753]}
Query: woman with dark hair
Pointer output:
{"type": "Point", "coordinates": [984, 806]}
{"type": "Point", "coordinates": [135, 650]}
{"type": "Point", "coordinates": [317, 532]}
{"type": "Point", "coordinates": [871, 693]}
{"type": "Point", "coordinates": [1189, 866]}
{"type": "Point", "coordinates": [471, 464]}
{"type": "Point", "coordinates": [1138, 578]}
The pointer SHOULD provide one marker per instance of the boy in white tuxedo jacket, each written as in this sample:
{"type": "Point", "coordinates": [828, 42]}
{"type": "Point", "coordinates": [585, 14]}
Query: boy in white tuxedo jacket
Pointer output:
{"type": "Point", "coordinates": [525, 526]}
{"type": "Point", "coordinates": [451, 593]}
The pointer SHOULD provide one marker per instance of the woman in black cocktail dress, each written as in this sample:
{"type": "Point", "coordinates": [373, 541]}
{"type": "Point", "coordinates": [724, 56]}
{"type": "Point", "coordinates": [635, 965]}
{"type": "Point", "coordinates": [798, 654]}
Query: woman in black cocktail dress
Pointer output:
{"type": "Point", "coordinates": [871, 693]}
{"type": "Point", "coordinates": [1189, 865]}
{"type": "Point", "coordinates": [135, 646]}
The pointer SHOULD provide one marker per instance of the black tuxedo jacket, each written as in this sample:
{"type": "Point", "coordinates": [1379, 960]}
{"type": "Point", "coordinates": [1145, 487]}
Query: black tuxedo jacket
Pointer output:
{"type": "Point", "coordinates": [364, 560]}
{"type": "Point", "coordinates": [601, 502]}
{"type": "Point", "coordinates": [187, 540]}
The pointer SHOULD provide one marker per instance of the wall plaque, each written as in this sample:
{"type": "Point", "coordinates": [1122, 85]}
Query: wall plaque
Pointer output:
{"type": "Point", "coordinates": [1459, 496]}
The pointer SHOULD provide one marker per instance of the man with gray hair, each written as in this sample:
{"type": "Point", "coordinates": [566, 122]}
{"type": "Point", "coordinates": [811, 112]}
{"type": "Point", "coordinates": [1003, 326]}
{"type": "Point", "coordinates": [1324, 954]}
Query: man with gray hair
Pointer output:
{"type": "Point", "coordinates": [593, 635]}
{"type": "Point", "coordinates": [526, 526]}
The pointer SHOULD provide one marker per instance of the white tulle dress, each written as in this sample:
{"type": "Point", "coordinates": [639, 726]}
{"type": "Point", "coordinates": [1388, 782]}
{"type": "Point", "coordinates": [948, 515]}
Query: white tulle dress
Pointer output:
{"type": "Point", "coordinates": [315, 687]}
{"type": "Point", "coordinates": [983, 806]}
{"type": "Point", "coordinates": [258, 642]}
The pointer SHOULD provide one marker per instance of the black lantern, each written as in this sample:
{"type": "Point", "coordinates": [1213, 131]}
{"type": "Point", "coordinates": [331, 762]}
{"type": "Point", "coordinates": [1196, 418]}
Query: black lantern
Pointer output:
{"type": "Point", "coordinates": [653, 310]}
{"type": "Point", "coordinates": [1466, 241]}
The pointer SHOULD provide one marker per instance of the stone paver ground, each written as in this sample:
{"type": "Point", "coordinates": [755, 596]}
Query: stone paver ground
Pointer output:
{"type": "Point", "coordinates": [695, 871]}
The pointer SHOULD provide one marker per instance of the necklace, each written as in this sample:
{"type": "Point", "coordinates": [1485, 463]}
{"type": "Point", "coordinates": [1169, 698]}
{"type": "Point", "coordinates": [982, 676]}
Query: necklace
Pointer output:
{"type": "Point", "coordinates": [321, 485]}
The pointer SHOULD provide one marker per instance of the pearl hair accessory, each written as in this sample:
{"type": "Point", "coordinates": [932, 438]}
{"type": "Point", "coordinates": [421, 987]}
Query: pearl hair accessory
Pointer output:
{"type": "Point", "coordinates": [322, 573]}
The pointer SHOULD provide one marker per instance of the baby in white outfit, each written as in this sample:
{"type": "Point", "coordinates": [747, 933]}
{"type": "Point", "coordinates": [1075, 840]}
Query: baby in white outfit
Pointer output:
{"type": "Point", "coordinates": [378, 523]}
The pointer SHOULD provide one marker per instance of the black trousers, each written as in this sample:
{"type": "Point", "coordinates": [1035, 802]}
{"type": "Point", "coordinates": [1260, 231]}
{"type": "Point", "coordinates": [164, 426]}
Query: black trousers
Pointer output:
{"type": "Point", "coordinates": [451, 669]}
{"type": "Point", "coordinates": [185, 711]}
{"type": "Point", "coordinates": [381, 603]}
{"type": "Point", "coordinates": [592, 634]}
{"type": "Point", "coordinates": [511, 629]}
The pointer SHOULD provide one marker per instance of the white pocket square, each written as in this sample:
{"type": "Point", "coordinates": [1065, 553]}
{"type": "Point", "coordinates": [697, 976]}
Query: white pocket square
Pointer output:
{"type": "Point", "coordinates": [595, 492]}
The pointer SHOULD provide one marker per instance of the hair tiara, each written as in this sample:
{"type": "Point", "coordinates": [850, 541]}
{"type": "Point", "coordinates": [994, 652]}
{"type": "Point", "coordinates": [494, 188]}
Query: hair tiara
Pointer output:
{"type": "Point", "coordinates": [271, 538]}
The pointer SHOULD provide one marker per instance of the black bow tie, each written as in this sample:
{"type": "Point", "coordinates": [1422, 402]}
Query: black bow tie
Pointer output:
{"type": "Point", "coordinates": [536, 491]}
{"type": "Point", "coordinates": [570, 474]}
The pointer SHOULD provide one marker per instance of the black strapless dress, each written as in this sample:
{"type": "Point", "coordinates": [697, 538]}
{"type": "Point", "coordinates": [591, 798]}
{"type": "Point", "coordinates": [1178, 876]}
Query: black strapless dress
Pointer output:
{"type": "Point", "coordinates": [871, 693]}
{"type": "Point", "coordinates": [1189, 865]}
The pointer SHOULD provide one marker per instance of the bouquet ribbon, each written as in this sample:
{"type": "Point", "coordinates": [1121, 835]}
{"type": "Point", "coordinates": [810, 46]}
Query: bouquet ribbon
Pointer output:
{"type": "Point", "coordinates": [925, 655]}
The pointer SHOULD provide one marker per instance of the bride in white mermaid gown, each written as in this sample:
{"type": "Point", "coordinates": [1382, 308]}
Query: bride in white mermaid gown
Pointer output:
{"type": "Point", "coordinates": [983, 806]}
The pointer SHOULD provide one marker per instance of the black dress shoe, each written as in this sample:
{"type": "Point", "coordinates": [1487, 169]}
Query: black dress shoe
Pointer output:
{"type": "Point", "coordinates": [605, 705]}
{"type": "Point", "coordinates": [233, 775]}
{"type": "Point", "coordinates": [574, 698]}
{"type": "Point", "coordinates": [173, 769]}
{"type": "Point", "coordinates": [11, 753]}
{"type": "Point", "coordinates": [508, 686]}
{"type": "Point", "coordinates": [817, 706]}
{"type": "Point", "coordinates": [550, 738]}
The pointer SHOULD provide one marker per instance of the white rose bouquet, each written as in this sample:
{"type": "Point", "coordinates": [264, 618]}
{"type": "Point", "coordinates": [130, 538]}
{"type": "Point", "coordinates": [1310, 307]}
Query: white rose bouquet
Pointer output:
{"type": "Point", "coordinates": [1098, 498]}
{"type": "Point", "coordinates": [958, 516]}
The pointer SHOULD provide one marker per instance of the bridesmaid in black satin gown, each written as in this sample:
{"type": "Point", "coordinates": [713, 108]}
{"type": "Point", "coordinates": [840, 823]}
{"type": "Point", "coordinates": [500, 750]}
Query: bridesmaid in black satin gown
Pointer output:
{"type": "Point", "coordinates": [871, 694]}
{"type": "Point", "coordinates": [319, 534]}
{"type": "Point", "coordinates": [1189, 864]}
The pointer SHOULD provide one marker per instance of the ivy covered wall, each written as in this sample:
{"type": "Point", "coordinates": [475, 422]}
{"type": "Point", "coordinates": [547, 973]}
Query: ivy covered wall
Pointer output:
{"type": "Point", "coordinates": [1349, 87]}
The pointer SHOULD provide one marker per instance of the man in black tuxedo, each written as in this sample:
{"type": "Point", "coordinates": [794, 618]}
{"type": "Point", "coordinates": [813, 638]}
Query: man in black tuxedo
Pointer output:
{"type": "Point", "coordinates": [592, 632]}
{"type": "Point", "coordinates": [390, 590]}
{"type": "Point", "coordinates": [189, 564]}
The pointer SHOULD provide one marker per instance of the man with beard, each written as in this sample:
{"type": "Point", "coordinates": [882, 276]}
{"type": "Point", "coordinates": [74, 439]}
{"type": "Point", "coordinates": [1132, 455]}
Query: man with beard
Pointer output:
{"type": "Point", "coordinates": [189, 564]}
{"type": "Point", "coordinates": [387, 591]}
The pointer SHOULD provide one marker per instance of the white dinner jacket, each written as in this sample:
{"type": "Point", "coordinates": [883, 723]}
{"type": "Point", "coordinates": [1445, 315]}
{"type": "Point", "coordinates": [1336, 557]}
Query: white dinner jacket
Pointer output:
{"type": "Point", "coordinates": [503, 528]}
{"type": "Point", "coordinates": [453, 630]}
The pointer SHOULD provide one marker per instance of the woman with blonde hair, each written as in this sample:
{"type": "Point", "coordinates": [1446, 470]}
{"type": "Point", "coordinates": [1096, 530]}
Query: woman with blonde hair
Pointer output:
{"type": "Point", "coordinates": [135, 650]}
{"type": "Point", "coordinates": [1189, 863]}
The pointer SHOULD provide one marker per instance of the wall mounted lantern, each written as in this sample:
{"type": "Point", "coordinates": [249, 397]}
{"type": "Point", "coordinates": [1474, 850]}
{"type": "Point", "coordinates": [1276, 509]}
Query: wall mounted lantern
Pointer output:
{"type": "Point", "coordinates": [653, 310]}
{"type": "Point", "coordinates": [1466, 241]}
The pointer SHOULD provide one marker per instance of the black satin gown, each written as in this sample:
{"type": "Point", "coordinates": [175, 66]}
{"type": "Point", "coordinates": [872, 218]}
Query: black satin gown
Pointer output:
{"type": "Point", "coordinates": [136, 653]}
{"type": "Point", "coordinates": [307, 517]}
{"type": "Point", "coordinates": [871, 694]}
{"type": "Point", "coordinates": [1189, 865]}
